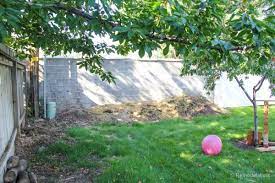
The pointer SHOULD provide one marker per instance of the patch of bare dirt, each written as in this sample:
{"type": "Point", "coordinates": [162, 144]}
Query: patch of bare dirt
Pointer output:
{"type": "Point", "coordinates": [34, 138]}
{"type": "Point", "coordinates": [38, 134]}
{"type": "Point", "coordinates": [241, 144]}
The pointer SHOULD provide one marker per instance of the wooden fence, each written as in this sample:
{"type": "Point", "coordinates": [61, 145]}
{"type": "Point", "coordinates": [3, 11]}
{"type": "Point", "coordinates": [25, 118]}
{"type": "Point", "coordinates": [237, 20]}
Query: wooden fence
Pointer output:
{"type": "Point", "coordinates": [12, 103]}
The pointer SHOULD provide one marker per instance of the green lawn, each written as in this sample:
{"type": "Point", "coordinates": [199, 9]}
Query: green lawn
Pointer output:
{"type": "Point", "coordinates": [168, 151]}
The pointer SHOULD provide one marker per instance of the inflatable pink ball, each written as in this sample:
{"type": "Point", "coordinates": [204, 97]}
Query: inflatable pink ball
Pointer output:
{"type": "Point", "coordinates": [211, 145]}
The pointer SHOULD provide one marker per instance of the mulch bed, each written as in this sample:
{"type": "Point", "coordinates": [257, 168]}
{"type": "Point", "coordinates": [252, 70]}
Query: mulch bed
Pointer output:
{"type": "Point", "coordinates": [241, 144]}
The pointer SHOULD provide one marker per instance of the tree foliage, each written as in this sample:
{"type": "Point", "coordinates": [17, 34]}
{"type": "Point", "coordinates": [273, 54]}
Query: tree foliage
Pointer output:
{"type": "Point", "coordinates": [212, 36]}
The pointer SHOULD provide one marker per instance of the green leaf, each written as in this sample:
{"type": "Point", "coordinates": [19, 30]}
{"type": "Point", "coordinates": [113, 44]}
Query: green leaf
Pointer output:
{"type": "Point", "coordinates": [166, 49]}
{"type": "Point", "coordinates": [130, 34]}
{"type": "Point", "coordinates": [141, 52]}
{"type": "Point", "coordinates": [183, 21]}
{"type": "Point", "coordinates": [263, 60]}
{"type": "Point", "coordinates": [272, 45]}
{"type": "Point", "coordinates": [148, 50]}
{"type": "Point", "coordinates": [91, 3]}
{"type": "Point", "coordinates": [121, 29]}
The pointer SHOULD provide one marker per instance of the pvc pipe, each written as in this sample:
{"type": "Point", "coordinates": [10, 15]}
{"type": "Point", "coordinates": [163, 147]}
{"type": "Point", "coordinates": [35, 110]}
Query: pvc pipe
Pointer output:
{"type": "Point", "coordinates": [51, 110]}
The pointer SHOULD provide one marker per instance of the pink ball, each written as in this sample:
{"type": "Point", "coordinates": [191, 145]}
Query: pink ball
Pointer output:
{"type": "Point", "coordinates": [211, 145]}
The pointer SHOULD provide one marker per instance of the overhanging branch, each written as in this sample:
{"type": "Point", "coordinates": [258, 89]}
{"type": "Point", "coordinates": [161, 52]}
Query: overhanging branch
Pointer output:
{"type": "Point", "coordinates": [170, 39]}
{"type": "Point", "coordinates": [81, 13]}
{"type": "Point", "coordinates": [186, 42]}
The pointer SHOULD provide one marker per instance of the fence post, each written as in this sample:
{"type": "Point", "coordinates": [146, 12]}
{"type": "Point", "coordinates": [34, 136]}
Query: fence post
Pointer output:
{"type": "Point", "coordinates": [25, 91]}
{"type": "Point", "coordinates": [265, 124]}
{"type": "Point", "coordinates": [15, 94]}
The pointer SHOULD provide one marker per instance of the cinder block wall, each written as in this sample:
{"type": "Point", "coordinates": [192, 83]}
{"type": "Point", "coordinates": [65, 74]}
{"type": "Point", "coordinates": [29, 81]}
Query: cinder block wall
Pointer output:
{"type": "Point", "coordinates": [137, 80]}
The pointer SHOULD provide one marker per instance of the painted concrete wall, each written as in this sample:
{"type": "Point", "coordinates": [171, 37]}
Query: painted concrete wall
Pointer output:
{"type": "Point", "coordinates": [137, 80]}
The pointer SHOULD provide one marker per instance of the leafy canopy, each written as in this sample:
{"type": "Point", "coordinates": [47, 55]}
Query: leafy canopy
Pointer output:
{"type": "Point", "coordinates": [213, 36]}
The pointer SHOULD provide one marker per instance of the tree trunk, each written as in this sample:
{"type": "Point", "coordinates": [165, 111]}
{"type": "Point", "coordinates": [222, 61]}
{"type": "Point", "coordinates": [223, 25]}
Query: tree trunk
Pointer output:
{"type": "Point", "coordinates": [255, 115]}
{"type": "Point", "coordinates": [256, 88]}
{"type": "Point", "coordinates": [254, 103]}
{"type": "Point", "coordinates": [34, 83]}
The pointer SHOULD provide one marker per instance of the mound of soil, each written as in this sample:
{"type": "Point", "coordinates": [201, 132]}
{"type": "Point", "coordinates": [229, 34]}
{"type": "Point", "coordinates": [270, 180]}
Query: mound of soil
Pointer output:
{"type": "Point", "coordinates": [184, 107]}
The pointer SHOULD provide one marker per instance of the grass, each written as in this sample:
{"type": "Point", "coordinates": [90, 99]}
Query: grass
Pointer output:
{"type": "Point", "coordinates": [168, 151]}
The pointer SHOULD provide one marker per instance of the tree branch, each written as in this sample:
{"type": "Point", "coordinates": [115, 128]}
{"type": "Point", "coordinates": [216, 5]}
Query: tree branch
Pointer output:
{"type": "Point", "coordinates": [81, 13]}
{"type": "Point", "coordinates": [241, 48]}
{"type": "Point", "coordinates": [186, 42]}
{"type": "Point", "coordinates": [73, 10]}
{"type": "Point", "coordinates": [165, 38]}
{"type": "Point", "coordinates": [244, 90]}
{"type": "Point", "coordinates": [268, 9]}
{"type": "Point", "coordinates": [259, 84]}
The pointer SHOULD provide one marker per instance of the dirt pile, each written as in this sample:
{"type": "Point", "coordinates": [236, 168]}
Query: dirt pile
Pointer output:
{"type": "Point", "coordinates": [184, 107]}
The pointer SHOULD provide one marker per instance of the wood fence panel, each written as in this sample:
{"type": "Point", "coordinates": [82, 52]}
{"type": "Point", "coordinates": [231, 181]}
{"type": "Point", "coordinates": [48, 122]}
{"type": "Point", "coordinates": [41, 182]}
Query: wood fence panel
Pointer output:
{"type": "Point", "coordinates": [12, 103]}
{"type": "Point", "coordinates": [6, 107]}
